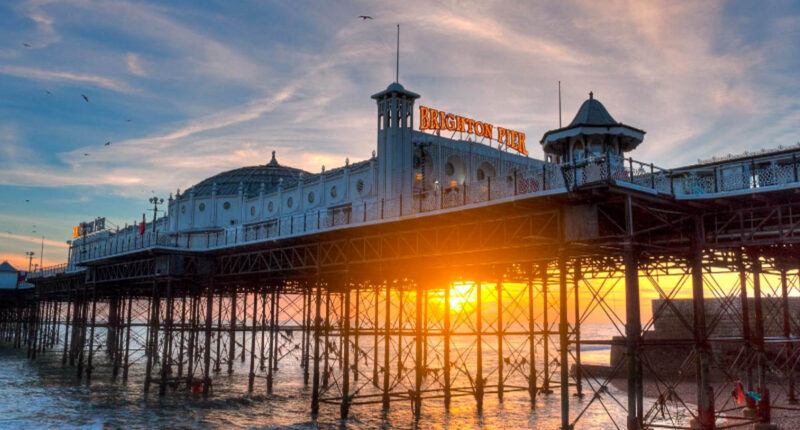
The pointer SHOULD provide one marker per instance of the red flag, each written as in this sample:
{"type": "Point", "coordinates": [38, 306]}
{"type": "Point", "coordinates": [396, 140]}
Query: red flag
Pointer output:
{"type": "Point", "coordinates": [141, 226]}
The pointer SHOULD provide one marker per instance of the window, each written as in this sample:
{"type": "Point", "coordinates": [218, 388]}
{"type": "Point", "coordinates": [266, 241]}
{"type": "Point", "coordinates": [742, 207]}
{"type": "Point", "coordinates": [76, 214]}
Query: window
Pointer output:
{"type": "Point", "coordinates": [252, 211]}
{"type": "Point", "coordinates": [481, 175]}
{"type": "Point", "coordinates": [270, 206]}
{"type": "Point", "coordinates": [183, 209]}
{"type": "Point", "coordinates": [202, 207]}
{"type": "Point", "coordinates": [311, 197]}
{"type": "Point", "coordinates": [449, 169]}
{"type": "Point", "coordinates": [289, 202]}
{"type": "Point", "coordinates": [577, 152]}
{"type": "Point", "coordinates": [226, 205]}
{"type": "Point", "coordinates": [360, 186]}
{"type": "Point", "coordinates": [334, 191]}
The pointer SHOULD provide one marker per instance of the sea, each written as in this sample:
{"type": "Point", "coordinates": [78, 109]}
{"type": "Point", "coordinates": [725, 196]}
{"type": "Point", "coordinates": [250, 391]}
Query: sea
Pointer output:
{"type": "Point", "coordinates": [44, 394]}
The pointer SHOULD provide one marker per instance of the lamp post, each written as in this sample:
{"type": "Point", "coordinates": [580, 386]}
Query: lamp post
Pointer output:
{"type": "Point", "coordinates": [155, 201]}
{"type": "Point", "coordinates": [30, 255]}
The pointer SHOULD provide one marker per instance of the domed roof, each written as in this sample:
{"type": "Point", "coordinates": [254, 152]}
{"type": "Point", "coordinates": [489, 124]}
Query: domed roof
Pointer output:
{"type": "Point", "coordinates": [251, 178]}
{"type": "Point", "coordinates": [592, 112]}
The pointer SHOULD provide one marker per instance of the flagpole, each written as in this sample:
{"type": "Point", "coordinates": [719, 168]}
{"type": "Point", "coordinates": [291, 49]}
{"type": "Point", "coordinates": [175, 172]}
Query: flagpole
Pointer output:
{"type": "Point", "coordinates": [397, 62]}
{"type": "Point", "coordinates": [559, 104]}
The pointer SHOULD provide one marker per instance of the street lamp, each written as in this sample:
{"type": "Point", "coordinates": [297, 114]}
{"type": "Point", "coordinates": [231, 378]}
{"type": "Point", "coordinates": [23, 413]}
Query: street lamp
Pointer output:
{"type": "Point", "coordinates": [30, 255]}
{"type": "Point", "coordinates": [155, 201]}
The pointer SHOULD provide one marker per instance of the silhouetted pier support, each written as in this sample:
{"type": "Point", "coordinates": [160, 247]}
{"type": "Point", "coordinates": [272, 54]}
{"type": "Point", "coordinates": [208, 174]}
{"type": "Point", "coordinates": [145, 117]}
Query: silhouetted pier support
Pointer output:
{"type": "Point", "coordinates": [446, 347]}
{"type": "Point", "coordinates": [315, 383]}
{"type": "Point", "coordinates": [705, 393]}
{"type": "Point", "coordinates": [786, 320]}
{"type": "Point", "coordinates": [344, 408]}
{"type": "Point", "coordinates": [633, 324]}
{"type": "Point", "coordinates": [563, 330]}
{"type": "Point", "coordinates": [545, 331]}
{"type": "Point", "coordinates": [577, 329]}
{"type": "Point", "coordinates": [479, 381]}
{"type": "Point", "coordinates": [763, 410]}
{"type": "Point", "coordinates": [500, 332]}
{"type": "Point", "coordinates": [532, 389]}
{"type": "Point", "coordinates": [207, 348]}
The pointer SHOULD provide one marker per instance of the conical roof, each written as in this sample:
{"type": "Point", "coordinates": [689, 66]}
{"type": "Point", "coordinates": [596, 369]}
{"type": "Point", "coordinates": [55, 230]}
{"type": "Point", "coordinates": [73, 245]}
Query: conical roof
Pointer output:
{"type": "Point", "coordinates": [592, 112]}
{"type": "Point", "coordinates": [7, 268]}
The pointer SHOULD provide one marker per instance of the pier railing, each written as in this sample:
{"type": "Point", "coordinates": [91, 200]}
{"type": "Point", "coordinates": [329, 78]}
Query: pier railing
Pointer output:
{"type": "Point", "coordinates": [768, 171]}
{"type": "Point", "coordinates": [47, 271]}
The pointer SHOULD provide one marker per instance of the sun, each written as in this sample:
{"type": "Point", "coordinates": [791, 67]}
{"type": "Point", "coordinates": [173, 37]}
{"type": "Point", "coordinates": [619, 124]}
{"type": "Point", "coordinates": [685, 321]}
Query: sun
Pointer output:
{"type": "Point", "coordinates": [462, 295]}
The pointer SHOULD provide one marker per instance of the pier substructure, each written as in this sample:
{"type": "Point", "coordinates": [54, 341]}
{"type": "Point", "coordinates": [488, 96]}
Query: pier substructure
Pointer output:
{"type": "Point", "coordinates": [502, 302]}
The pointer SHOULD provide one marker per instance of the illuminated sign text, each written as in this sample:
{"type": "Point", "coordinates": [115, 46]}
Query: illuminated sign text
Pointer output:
{"type": "Point", "coordinates": [432, 119]}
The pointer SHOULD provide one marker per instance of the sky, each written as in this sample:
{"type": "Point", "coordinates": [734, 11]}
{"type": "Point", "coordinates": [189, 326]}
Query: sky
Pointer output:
{"type": "Point", "coordinates": [185, 89]}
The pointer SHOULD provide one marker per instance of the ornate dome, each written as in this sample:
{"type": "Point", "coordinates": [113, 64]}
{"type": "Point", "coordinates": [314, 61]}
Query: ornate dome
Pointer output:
{"type": "Point", "coordinates": [251, 178]}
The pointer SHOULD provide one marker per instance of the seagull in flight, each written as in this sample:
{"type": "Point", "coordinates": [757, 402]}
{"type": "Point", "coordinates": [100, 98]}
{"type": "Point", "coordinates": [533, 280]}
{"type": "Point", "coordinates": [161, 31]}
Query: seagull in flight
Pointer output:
{"type": "Point", "coordinates": [27, 45]}
{"type": "Point", "coordinates": [48, 92]}
{"type": "Point", "coordinates": [365, 17]}
{"type": "Point", "coordinates": [85, 154]}
{"type": "Point", "coordinates": [27, 200]}
{"type": "Point", "coordinates": [85, 97]}
{"type": "Point", "coordinates": [128, 120]}
{"type": "Point", "coordinates": [108, 143]}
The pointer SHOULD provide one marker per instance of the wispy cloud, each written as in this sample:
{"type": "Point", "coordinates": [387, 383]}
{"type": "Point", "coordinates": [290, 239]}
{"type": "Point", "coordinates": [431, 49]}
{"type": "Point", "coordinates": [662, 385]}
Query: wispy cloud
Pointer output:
{"type": "Point", "coordinates": [134, 64]}
{"type": "Point", "coordinates": [32, 239]}
{"type": "Point", "coordinates": [51, 75]}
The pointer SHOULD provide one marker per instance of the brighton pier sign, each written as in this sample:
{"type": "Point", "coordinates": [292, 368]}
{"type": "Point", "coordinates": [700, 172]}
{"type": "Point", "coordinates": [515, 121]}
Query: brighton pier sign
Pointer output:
{"type": "Point", "coordinates": [432, 119]}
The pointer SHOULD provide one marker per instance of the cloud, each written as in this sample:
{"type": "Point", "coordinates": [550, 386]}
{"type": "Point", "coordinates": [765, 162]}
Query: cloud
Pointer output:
{"type": "Point", "coordinates": [50, 75]}
{"type": "Point", "coordinates": [46, 34]}
{"type": "Point", "coordinates": [134, 64]}
{"type": "Point", "coordinates": [32, 239]}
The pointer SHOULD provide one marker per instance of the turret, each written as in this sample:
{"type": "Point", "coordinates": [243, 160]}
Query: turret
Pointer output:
{"type": "Point", "coordinates": [395, 123]}
{"type": "Point", "coordinates": [592, 133]}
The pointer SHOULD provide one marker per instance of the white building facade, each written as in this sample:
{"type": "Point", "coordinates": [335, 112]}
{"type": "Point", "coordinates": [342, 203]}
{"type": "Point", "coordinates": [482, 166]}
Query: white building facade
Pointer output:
{"type": "Point", "coordinates": [411, 172]}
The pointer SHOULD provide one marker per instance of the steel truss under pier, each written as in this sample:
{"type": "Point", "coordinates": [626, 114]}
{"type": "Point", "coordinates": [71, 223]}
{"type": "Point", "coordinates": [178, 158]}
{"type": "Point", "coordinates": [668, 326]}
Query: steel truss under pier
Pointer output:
{"type": "Point", "coordinates": [480, 303]}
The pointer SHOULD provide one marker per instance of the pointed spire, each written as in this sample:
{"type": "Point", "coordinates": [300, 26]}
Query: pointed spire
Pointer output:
{"type": "Point", "coordinates": [591, 95]}
{"type": "Point", "coordinates": [273, 161]}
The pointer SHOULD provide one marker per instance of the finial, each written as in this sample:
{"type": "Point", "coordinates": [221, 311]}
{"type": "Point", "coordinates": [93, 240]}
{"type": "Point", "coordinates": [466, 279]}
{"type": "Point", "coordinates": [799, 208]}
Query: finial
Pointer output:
{"type": "Point", "coordinates": [347, 161]}
{"type": "Point", "coordinates": [273, 161]}
{"type": "Point", "coordinates": [591, 95]}
{"type": "Point", "coordinates": [374, 154]}
{"type": "Point", "coordinates": [323, 168]}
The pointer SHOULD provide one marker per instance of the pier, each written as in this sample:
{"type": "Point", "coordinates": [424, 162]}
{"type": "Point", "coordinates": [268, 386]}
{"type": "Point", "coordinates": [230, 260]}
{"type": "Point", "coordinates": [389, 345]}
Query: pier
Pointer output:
{"type": "Point", "coordinates": [419, 294]}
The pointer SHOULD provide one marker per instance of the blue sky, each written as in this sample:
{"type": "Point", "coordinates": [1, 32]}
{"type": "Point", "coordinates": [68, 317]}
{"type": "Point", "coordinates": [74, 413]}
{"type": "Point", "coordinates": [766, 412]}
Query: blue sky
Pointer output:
{"type": "Point", "coordinates": [185, 89]}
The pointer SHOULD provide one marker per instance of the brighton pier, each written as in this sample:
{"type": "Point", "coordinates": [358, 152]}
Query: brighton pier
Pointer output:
{"type": "Point", "coordinates": [449, 266]}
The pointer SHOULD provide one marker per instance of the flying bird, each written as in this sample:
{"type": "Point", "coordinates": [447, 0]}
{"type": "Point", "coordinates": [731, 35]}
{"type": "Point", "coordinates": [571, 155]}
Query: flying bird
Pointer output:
{"type": "Point", "coordinates": [128, 120]}
{"type": "Point", "coordinates": [85, 154]}
{"type": "Point", "coordinates": [365, 17]}
{"type": "Point", "coordinates": [85, 97]}
{"type": "Point", "coordinates": [108, 143]}
{"type": "Point", "coordinates": [28, 200]}
{"type": "Point", "coordinates": [48, 92]}
{"type": "Point", "coordinates": [27, 45]}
